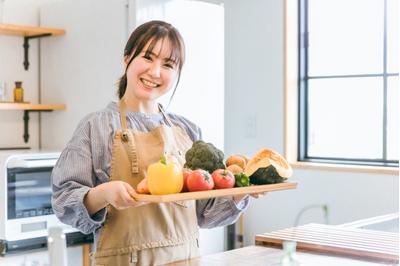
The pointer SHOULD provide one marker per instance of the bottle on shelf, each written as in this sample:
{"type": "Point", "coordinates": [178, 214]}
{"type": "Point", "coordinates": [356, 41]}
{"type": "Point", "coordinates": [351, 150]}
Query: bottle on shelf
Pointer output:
{"type": "Point", "coordinates": [18, 92]}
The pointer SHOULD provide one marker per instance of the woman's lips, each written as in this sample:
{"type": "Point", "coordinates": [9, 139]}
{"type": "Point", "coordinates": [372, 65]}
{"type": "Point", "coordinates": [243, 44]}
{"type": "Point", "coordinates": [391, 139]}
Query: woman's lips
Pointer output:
{"type": "Point", "coordinates": [149, 84]}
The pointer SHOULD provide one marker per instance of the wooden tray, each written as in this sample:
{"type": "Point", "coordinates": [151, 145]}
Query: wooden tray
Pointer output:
{"type": "Point", "coordinates": [215, 193]}
{"type": "Point", "coordinates": [337, 240]}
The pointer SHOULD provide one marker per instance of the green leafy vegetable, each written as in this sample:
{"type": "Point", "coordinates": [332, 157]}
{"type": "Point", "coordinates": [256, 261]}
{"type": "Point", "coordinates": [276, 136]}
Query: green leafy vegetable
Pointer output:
{"type": "Point", "coordinates": [204, 156]}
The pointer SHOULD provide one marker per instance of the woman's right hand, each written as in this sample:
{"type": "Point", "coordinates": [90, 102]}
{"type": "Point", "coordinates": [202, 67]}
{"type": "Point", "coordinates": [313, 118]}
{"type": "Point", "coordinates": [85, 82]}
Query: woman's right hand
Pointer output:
{"type": "Point", "coordinates": [120, 195]}
{"type": "Point", "coordinates": [117, 193]}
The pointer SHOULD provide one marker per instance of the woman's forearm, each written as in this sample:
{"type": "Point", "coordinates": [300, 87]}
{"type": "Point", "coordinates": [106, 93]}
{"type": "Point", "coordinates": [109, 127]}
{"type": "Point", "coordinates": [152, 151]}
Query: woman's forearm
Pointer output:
{"type": "Point", "coordinates": [94, 200]}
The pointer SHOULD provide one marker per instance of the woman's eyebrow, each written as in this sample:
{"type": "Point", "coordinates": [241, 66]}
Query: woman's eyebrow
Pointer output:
{"type": "Point", "coordinates": [167, 59]}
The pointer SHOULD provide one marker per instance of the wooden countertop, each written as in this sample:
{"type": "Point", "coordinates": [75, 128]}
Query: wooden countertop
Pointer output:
{"type": "Point", "coordinates": [260, 255]}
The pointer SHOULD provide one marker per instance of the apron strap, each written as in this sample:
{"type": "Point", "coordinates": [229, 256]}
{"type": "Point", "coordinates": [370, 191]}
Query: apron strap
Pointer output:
{"type": "Point", "coordinates": [161, 108]}
{"type": "Point", "coordinates": [128, 139]}
{"type": "Point", "coordinates": [122, 114]}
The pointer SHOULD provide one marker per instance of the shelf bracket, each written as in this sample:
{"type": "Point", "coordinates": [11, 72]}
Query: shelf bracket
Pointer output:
{"type": "Point", "coordinates": [26, 122]}
{"type": "Point", "coordinates": [26, 47]}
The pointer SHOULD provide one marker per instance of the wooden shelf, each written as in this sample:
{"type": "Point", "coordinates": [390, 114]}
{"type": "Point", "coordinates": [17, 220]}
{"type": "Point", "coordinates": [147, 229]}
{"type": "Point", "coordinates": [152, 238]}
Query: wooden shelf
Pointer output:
{"type": "Point", "coordinates": [27, 108]}
{"type": "Point", "coordinates": [27, 31]}
{"type": "Point", "coordinates": [30, 106]}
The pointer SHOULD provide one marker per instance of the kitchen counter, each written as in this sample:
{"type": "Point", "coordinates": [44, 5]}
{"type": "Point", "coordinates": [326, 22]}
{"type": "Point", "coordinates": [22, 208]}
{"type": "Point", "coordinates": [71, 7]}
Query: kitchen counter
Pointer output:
{"type": "Point", "coordinates": [260, 255]}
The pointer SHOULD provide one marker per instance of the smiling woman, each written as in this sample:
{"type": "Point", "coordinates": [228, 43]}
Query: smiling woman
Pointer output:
{"type": "Point", "coordinates": [114, 149]}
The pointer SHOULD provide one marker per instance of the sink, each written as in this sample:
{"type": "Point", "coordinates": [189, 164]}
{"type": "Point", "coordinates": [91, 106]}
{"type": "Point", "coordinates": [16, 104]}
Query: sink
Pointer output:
{"type": "Point", "coordinates": [386, 223]}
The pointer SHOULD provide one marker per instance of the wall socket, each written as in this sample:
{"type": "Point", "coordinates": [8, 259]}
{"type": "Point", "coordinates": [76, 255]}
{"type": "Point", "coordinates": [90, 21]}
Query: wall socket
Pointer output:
{"type": "Point", "coordinates": [250, 126]}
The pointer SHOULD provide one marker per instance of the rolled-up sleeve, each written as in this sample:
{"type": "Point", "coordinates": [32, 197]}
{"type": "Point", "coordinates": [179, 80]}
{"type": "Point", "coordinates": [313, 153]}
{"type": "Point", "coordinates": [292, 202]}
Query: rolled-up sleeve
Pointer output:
{"type": "Point", "coordinates": [219, 211]}
{"type": "Point", "coordinates": [72, 178]}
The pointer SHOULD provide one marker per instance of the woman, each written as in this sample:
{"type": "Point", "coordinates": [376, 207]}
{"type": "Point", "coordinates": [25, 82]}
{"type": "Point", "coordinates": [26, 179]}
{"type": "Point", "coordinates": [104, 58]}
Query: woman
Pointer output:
{"type": "Point", "coordinates": [95, 176]}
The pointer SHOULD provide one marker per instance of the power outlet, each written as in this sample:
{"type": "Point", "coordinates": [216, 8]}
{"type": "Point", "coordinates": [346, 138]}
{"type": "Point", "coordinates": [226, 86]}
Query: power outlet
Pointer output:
{"type": "Point", "coordinates": [250, 126]}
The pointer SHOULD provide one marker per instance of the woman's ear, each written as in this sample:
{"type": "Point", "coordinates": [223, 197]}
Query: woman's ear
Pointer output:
{"type": "Point", "coordinates": [126, 60]}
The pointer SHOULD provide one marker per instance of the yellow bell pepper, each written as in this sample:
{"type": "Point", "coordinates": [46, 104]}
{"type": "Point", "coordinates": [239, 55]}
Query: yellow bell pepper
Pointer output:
{"type": "Point", "coordinates": [164, 177]}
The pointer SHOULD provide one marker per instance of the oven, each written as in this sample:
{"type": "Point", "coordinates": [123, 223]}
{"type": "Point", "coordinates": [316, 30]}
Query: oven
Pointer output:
{"type": "Point", "coordinates": [25, 204]}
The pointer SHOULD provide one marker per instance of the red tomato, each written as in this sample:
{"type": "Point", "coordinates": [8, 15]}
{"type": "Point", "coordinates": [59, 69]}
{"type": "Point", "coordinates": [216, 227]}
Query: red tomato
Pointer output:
{"type": "Point", "coordinates": [186, 172]}
{"type": "Point", "coordinates": [223, 178]}
{"type": "Point", "coordinates": [199, 180]}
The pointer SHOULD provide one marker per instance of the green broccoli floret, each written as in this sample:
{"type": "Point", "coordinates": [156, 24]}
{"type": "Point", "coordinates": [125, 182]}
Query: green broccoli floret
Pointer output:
{"type": "Point", "coordinates": [204, 156]}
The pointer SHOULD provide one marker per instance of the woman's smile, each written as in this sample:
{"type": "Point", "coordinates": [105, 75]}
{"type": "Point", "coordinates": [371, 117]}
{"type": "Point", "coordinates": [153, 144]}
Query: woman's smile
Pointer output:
{"type": "Point", "coordinates": [149, 84]}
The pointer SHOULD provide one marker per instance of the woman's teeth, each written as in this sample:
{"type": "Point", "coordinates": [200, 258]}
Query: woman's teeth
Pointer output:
{"type": "Point", "coordinates": [149, 83]}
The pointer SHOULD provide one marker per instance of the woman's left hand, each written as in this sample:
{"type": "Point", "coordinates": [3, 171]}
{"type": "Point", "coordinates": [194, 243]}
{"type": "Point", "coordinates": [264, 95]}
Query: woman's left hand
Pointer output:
{"type": "Point", "coordinates": [238, 198]}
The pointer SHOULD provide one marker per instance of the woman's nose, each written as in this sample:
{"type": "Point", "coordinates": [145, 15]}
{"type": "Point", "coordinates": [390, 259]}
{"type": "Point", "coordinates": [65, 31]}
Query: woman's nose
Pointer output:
{"type": "Point", "coordinates": [155, 70]}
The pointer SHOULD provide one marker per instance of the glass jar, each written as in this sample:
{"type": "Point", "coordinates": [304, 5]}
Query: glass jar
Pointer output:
{"type": "Point", "coordinates": [18, 92]}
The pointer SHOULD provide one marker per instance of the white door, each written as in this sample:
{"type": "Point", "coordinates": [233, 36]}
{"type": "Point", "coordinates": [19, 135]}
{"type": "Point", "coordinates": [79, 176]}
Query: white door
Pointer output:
{"type": "Point", "coordinates": [200, 94]}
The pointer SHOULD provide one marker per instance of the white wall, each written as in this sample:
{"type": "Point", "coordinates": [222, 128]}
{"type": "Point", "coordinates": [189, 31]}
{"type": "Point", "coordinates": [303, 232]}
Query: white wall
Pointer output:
{"type": "Point", "coordinates": [77, 67]}
{"type": "Point", "coordinates": [12, 69]}
{"type": "Point", "coordinates": [254, 119]}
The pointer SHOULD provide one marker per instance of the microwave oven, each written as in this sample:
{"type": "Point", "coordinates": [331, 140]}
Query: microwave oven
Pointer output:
{"type": "Point", "coordinates": [25, 202]}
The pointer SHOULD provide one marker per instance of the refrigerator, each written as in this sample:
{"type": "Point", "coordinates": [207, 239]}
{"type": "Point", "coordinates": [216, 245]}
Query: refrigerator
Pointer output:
{"type": "Point", "coordinates": [81, 68]}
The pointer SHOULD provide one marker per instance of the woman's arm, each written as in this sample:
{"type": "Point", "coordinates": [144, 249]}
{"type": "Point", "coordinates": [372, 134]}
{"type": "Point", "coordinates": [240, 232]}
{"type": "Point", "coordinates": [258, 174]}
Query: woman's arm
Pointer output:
{"type": "Point", "coordinates": [220, 211]}
{"type": "Point", "coordinates": [73, 176]}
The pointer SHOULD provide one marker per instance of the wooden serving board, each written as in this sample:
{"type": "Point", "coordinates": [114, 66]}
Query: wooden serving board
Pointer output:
{"type": "Point", "coordinates": [336, 240]}
{"type": "Point", "coordinates": [215, 193]}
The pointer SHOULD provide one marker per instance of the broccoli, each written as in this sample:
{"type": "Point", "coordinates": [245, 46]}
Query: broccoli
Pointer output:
{"type": "Point", "coordinates": [204, 156]}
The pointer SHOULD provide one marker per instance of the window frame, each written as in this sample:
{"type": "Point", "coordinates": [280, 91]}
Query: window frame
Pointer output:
{"type": "Point", "coordinates": [294, 133]}
{"type": "Point", "coordinates": [303, 96]}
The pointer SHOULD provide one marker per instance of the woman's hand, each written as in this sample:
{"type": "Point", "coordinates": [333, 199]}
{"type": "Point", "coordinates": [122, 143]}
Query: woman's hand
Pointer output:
{"type": "Point", "coordinates": [117, 193]}
{"type": "Point", "coordinates": [238, 198]}
{"type": "Point", "coordinates": [121, 195]}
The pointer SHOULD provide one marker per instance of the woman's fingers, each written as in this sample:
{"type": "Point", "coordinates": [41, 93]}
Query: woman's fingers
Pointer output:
{"type": "Point", "coordinates": [258, 195]}
{"type": "Point", "coordinates": [132, 195]}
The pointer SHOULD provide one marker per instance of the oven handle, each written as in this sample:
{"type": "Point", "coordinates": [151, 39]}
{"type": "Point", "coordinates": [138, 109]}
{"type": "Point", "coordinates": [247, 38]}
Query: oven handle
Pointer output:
{"type": "Point", "coordinates": [29, 163]}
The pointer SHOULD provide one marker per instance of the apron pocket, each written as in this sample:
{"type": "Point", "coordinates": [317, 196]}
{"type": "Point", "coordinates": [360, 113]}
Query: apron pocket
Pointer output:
{"type": "Point", "coordinates": [127, 259]}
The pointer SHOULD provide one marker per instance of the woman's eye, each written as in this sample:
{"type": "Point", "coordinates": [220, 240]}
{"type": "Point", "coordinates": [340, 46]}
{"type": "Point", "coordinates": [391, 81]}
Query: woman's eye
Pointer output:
{"type": "Point", "coordinates": [169, 66]}
{"type": "Point", "coordinates": [147, 57]}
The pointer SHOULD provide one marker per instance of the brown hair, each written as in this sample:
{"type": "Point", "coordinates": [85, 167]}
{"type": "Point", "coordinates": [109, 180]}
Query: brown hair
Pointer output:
{"type": "Point", "coordinates": [151, 32]}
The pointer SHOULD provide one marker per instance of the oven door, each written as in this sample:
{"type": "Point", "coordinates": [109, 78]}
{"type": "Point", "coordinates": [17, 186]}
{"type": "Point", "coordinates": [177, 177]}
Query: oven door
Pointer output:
{"type": "Point", "coordinates": [29, 192]}
{"type": "Point", "coordinates": [29, 212]}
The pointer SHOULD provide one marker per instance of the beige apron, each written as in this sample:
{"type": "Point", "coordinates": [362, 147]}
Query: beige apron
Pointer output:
{"type": "Point", "coordinates": [152, 234]}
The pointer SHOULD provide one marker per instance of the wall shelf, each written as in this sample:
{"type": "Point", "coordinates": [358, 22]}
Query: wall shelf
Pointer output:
{"type": "Point", "coordinates": [28, 107]}
{"type": "Point", "coordinates": [29, 32]}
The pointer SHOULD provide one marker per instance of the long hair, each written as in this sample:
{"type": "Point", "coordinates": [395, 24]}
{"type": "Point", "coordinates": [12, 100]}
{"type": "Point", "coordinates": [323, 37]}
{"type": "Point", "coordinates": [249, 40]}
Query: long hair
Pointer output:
{"type": "Point", "coordinates": [150, 33]}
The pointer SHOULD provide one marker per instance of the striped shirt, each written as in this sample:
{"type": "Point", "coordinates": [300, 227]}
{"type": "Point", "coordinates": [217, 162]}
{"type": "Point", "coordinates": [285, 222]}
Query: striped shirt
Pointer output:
{"type": "Point", "coordinates": [85, 162]}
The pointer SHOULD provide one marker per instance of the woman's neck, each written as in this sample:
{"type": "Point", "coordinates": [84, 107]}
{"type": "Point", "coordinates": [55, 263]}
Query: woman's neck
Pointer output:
{"type": "Point", "coordinates": [134, 105]}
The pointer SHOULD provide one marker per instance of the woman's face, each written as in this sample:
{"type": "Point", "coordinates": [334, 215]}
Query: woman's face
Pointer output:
{"type": "Point", "coordinates": [151, 76]}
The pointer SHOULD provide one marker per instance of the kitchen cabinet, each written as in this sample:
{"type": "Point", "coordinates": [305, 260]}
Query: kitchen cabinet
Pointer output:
{"type": "Point", "coordinates": [29, 32]}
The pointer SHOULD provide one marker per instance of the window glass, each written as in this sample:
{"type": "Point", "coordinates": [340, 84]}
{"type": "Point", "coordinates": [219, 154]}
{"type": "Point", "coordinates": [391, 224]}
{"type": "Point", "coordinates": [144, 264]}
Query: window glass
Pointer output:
{"type": "Point", "coordinates": [393, 35]}
{"type": "Point", "coordinates": [345, 37]}
{"type": "Point", "coordinates": [393, 119]}
{"type": "Point", "coordinates": [345, 118]}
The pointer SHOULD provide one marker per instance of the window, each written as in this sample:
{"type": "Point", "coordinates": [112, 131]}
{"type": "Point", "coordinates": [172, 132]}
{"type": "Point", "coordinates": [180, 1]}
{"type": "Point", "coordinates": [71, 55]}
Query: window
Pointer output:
{"type": "Point", "coordinates": [349, 82]}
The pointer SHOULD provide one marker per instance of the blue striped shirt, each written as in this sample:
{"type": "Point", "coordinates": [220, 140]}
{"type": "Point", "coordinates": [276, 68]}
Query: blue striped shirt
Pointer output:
{"type": "Point", "coordinates": [85, 162]}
